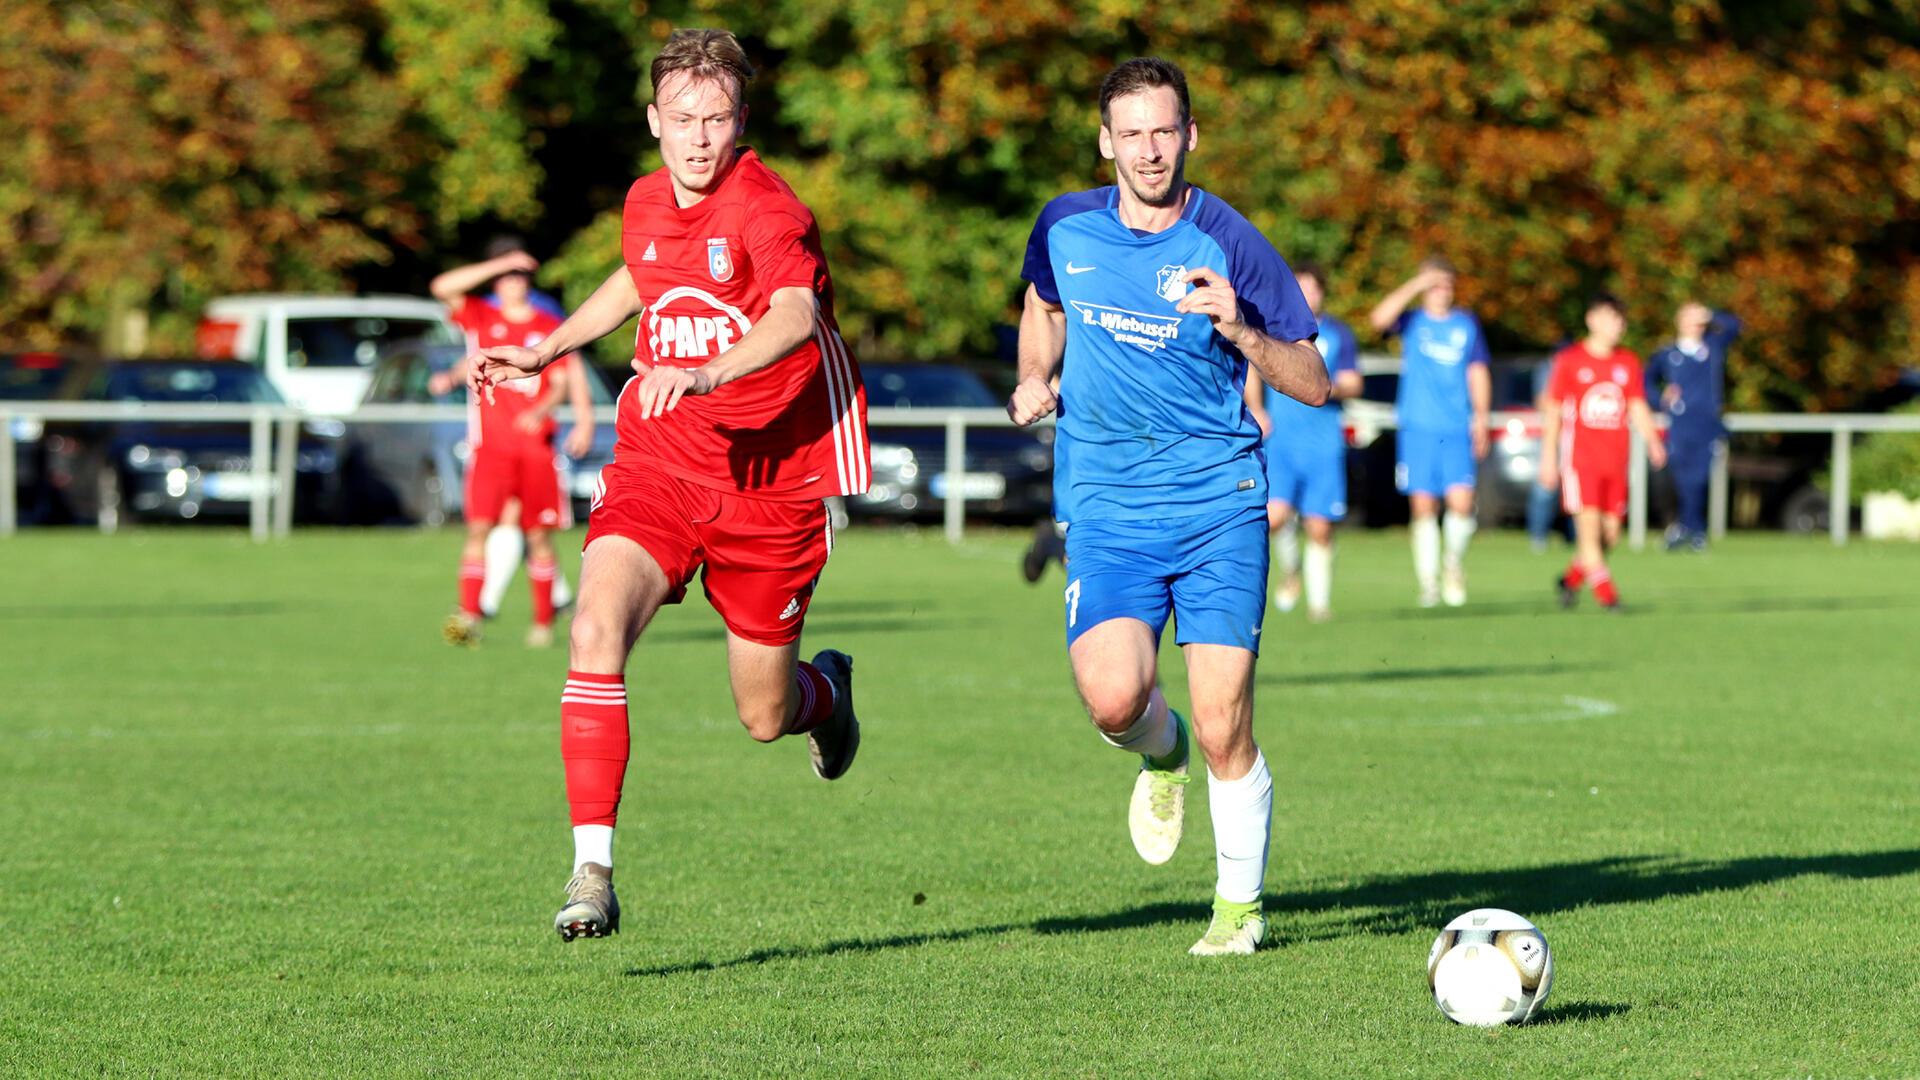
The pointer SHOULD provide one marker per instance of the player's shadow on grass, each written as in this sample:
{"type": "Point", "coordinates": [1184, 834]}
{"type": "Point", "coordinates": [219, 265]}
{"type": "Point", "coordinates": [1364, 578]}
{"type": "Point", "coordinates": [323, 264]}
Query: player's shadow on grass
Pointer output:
{"type": "Point", "coordinates": [1457, 671]}
{"type": "Point", "coordinates": [823, 625]}
{"type": "Point", "coordinates": [1631, 606]}
{"type": "Point", "coordinates": [233, 609]}
{"type": "Point", "coordinates": [1406, 903]}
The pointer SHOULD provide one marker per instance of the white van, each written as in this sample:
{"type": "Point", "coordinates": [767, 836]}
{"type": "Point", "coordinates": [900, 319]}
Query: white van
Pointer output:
{"type": "Point", "coordinates": [318, 349]}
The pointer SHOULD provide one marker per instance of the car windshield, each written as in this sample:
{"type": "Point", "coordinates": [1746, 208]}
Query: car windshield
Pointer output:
{"type": "Point", "coordinates": [189, 383]}
{"type": "Point", "coordinates": [927, 387]}
{"type": "Point", "coordinates": [356, 341]}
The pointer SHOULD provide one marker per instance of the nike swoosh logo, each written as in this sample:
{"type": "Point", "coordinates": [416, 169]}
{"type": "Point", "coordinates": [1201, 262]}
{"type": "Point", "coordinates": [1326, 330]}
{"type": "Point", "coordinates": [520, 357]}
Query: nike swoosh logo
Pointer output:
{"type": "Point", "coordinates": [1072, 269]}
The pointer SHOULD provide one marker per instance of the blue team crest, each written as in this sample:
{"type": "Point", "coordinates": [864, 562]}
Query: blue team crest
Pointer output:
{"type": "Point", "coordinates": [719, 261]}
{"type": "Point", "coordinates": [1171, 283]}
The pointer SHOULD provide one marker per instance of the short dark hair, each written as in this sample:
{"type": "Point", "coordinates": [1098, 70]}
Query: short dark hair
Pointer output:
{"type": "Point", "coordinates": [1607, 300]}
{"type": "Point", "coordinates": [703, 54]}
{"type": "Point", "coordinates": [1313, 270]}
{"type": "Point", "coordinates": [504, 244]}
{"type": "Point", "coordinates": [1139, 74]}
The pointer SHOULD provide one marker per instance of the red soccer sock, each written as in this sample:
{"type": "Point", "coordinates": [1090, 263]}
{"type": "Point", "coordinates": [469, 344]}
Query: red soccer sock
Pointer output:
{"type": "Point", "coordinates": [815, 694]}
{"type": "Point", "coordinates": [594, 745]}
{"type": "Point", "coordinates": [1574, 575]}
{"type": "Point", "coordinates": [472, 574]}
{"type": "Point", "coordinates": [540, 580]}
{"type": "Point", "coordinates": [1603, 589]}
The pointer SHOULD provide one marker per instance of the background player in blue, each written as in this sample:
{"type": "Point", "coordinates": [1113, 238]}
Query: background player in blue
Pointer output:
{"type": "Point", "coordinates": [1307, 460]}
{"type": "Point", "coordinates": [1151, 298]}
{"type": "Point", "coordinates": [1445, 397]}
{"type": "Point", "coordinates": [1685, 381]}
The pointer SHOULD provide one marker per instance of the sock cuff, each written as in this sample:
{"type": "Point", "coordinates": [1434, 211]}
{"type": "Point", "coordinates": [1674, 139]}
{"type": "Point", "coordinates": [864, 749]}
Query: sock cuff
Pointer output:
{"type": "Point", "coordinates": [1255, 776]}
{"type": "Point", "coordinates": [583, 688]}
{"type": "Point", "coordinates": [473, 569]}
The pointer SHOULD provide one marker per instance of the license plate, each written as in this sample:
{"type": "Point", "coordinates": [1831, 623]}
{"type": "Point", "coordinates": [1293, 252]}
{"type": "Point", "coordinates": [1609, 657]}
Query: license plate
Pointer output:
{"type": "Point", "coordinates": [229, 485]}
{"type": "Point", "coordinates": [973, 485]}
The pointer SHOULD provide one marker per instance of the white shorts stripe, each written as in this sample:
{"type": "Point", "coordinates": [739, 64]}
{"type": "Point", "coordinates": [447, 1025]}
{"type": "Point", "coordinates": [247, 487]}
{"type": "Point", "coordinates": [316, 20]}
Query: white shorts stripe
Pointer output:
{"type": "Point", "coordinates": [834, 405]}
{"type": "Point", "coordinates": [856, 425]}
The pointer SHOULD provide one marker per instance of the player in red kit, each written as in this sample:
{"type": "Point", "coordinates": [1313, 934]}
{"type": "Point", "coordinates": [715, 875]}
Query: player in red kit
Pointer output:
{"type": "Point", "coordinates": [747, 413]}
{"type": "Point", "coordinates": [1593, 393]}
{"type": "Point", "coordinates": [510, 435]}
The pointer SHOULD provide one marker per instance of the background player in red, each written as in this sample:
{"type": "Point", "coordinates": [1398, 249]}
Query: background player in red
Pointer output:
{"type": "Point", "coordinates": [1594, 392]}
{"type": "Point", "coordinates": [510, 435]}
{"type": "Point", "coordinates": [747, 414]}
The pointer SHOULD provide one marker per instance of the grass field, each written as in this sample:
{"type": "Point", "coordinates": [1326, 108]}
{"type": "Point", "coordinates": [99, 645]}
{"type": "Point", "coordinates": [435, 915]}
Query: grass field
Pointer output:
{"type": "Point", "coordinates": [255, 819]}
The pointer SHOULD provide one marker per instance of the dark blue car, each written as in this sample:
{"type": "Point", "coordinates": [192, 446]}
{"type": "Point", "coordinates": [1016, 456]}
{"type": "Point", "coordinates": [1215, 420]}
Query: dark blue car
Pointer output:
{"type": "Point", "coordinates": [1009, 472]}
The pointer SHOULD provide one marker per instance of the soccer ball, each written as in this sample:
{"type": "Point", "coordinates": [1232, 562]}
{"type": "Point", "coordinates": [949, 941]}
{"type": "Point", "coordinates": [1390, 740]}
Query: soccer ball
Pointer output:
{"type": "Point", "coordinates": [1490, 967]}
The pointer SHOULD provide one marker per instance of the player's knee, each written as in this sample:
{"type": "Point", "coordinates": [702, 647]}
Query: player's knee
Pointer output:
{"type": "Point", "coordinates": [764, 721]}
{"type": "Point", "coordinates": [595, 640]}
{"type": "Point", "coordinates": [1114, 709]}
{"type": "Point", "coordinates": [1220, 742]}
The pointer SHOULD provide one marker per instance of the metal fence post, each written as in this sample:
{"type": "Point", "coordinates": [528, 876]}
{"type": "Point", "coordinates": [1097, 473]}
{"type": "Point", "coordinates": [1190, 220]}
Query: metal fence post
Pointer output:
{"type": "Point", "coordinates": [956, 502]}
{"type": "Point", "coordinates": [1717, 492]}
{"type": "Point", "coordinates": [1636, 491]}
{"type": "Point", "coordinates": [9, 512]}
{"type": "Point", "coordinates": [285, 452]}
{"type": "Point", "coordinates": [261, 478]}
{"type": "Point", "coordinates": [1840, 506]}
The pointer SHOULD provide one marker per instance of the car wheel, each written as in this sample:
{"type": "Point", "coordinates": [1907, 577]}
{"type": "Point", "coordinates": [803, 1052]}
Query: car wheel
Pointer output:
{"type": "Point", "coordinates": [1807, 511]}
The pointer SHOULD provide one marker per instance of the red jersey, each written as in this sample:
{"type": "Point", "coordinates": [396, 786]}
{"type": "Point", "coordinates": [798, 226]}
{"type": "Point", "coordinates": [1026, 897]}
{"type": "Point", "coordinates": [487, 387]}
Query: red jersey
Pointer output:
{"type": "Point", "coordinates": [493, 424]}
{"type": "Point", "coordinates": [1594, 393]}
{"type": "Point", "coordinates": [794, 430]}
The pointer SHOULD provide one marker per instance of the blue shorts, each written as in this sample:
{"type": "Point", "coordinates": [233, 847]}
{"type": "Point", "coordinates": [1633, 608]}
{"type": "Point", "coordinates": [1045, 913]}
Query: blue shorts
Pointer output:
{"type": "Point", "coordinates": [1312, 481]}
{"type": "Point", "coordinates": [1209, 572]}
{"type": "Point", "coordinates": [1430, 463]}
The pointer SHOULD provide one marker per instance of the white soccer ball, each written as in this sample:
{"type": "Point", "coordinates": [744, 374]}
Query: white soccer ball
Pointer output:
{"type": "Point", "coordinates": [1490, 967]}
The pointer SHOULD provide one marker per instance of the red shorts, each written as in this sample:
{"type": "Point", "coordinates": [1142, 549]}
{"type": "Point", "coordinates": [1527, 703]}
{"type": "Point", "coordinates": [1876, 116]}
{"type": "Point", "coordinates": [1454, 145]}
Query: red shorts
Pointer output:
{"type": "Point", "coordinates": [525, 472]}
{"type": "Point", "coordinates": [762, 558]}
{"type": "Point", "coordinates": [1604, 490]}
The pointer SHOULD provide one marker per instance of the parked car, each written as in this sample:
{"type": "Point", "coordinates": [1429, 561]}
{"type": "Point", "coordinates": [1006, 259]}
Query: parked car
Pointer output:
{"type": "Point", "coordinates": [107, 472]}
{"type": "Point", "coordinates": [319, 350]}
{"type": "Point", "coordinates": [31, 377]}
{"type": "Point", "coordinates": [1512, 464]}
{"type": "Point", "coordinates": [1009, 472]}
{"type": "Point", "coordinates": [414, 472]}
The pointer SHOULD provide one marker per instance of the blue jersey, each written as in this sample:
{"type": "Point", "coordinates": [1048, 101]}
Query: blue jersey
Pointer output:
{"type": "Point", "coordinates": [1153, 421]}
{"type": "Point", "coordinates": [1435, 355]}
{"type": "Point", "coordinates": [1310, 428]}
{"type": "Point", "coordinates": [1700, 375]}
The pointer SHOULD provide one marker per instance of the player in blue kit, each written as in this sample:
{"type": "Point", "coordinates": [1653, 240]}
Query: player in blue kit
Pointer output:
{"type": "Point", "coordinates": [1307, 461]}
{"type": "Point", "coordinates": [1152, 298]}
{"type": "Point", "coordinates": [1445, 397]}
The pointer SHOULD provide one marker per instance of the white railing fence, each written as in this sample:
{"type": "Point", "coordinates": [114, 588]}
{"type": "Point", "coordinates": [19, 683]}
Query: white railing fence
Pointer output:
{"type": "Point", "coordinates": [275, 430]}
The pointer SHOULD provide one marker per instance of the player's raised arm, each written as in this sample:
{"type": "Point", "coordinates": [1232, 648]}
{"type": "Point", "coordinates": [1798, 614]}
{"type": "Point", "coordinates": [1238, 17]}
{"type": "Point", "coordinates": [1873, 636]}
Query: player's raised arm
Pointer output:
{"type": "Point", "coordinates": [448, 288]}
{"type": "Point", "coordinates": [1295, 368]}
{"type": "Point", "coordinates": [1043, 341]}
{"type": "Point", "coordinates": [1386, 314]}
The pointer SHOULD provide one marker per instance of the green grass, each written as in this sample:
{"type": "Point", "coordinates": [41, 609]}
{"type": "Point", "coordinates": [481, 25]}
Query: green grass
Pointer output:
{"type": "Point", "coordinates": [256, 819]}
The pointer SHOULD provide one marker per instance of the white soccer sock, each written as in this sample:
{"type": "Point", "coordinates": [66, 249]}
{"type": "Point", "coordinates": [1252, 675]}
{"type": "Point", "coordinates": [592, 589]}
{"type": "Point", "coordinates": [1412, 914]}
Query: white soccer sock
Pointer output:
{"type": "Point", "coordinates": [1459, 532]}
{"type": "Point", "coordinates": [592, 844]}
{"type": "Point", "coordinates": [505, 548]}
{"type": "Point", "coordinates": [1286, 547]}
{"type": "Point", "coordinates": [1426, 551]}
{"type": "Point", "coordinates": [1319, 575]}
{"type": "Point", "coordinates": [1153, 734]}
{"type": "Point", "coordinates": [562, 592]}
{"type": "Point", "coordinates": [1242, 821]}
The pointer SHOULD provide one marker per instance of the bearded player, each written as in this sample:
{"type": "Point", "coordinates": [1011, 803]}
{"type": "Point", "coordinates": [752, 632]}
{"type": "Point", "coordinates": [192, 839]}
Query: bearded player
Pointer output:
{"type": "Point", "coordinates": [1153, 299]}
{"type": "Point", "coordinates": [747, 413]}
{"type": "Point", "coordinates": [1595, 391]}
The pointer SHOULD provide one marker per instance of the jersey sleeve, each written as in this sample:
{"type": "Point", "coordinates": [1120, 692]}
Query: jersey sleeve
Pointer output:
{"type": "Point", "coordinates": [1038, 267]}
{"type": "Point", "coordinates": [1270, 298]}
{"type": "Point", "coordinates": [1400, 324]}
{"type": "Point", "coordinates": [1479, 354]}
{"type": "Point", "coordinates": [469, 313]}
{"type": "Point", "coordinates": [1559, 383]}
{"type": "Point", "coordinates": [1340, 348]}
{"type": "Point", "coordinates": [784, 249]}
{"type": "Point", "coordinates": [1636, 381]}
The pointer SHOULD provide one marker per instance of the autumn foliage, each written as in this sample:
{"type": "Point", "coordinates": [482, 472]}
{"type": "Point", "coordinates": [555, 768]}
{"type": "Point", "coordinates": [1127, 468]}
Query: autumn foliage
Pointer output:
{"type": "Point", "coordinates": [1762, 156]}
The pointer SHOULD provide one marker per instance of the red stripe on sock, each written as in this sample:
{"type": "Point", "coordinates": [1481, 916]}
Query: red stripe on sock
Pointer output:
{"type": "Point", "coordinates": [594, 746]}
{"type": "Point", "coordinates": [815, 698]}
